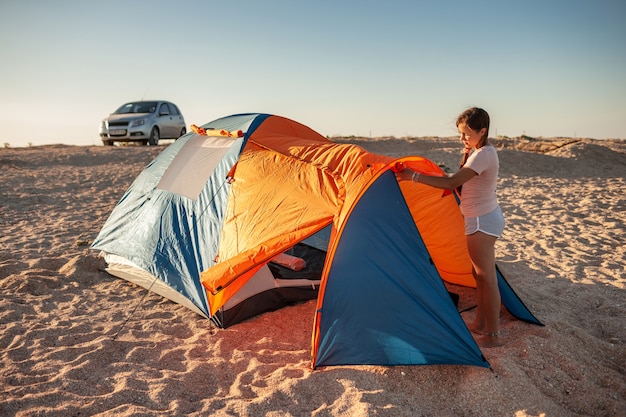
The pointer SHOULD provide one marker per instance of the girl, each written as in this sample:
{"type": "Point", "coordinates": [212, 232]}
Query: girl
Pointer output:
{"type": "Point", "coordinates": [484, 221]}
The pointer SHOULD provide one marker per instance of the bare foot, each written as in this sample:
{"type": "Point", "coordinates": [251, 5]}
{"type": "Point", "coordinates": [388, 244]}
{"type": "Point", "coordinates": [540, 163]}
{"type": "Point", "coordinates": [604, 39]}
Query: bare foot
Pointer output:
{"type": "Point", "coordinates": [472, 327]}
{"type": "Point", "coordinates": [478, 330]}
{"type": "Point", "coordinates": [482, 332]}
{"type": "Point", "coordinates": [489, 340]}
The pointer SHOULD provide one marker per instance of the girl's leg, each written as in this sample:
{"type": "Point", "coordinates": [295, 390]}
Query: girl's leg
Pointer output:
{"type": "Point", "coordinates": [482, 254]}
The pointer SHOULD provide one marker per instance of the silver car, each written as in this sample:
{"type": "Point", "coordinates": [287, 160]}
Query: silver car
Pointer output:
{"type": "Point", "coordinates": [143, 121]}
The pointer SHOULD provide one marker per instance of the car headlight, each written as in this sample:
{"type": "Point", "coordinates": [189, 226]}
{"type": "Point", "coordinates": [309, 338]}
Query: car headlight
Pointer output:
{"type": "Point", "coordinates": [138, 122]}
{"type": "Point", "coordinates": [103, 124]}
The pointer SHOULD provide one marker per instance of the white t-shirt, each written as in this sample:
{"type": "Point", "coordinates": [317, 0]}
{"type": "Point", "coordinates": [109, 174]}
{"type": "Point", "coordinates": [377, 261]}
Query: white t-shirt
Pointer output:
{"type": "Point", "coordinates": [479, 193]}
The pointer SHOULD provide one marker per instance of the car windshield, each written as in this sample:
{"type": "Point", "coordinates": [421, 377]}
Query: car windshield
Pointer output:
{"type": "Point", "coordinates": [137, 107]}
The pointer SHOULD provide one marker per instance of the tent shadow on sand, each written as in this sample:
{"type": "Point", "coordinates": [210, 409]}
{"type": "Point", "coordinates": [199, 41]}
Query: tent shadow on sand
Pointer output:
{"type": "Point", "coordinates": [204, 224]}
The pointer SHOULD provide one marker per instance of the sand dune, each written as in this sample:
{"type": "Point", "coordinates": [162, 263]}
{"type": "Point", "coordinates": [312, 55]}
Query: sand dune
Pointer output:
{"type": "Point", "coordinates": [78, 342]}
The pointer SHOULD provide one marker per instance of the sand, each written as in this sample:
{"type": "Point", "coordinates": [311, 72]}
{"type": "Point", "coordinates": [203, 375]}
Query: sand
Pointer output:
{"type": "Point", "coordinates": [75, 341]}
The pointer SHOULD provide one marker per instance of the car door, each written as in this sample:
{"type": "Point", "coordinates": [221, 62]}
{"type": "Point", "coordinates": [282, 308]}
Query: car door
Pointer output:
{"type": "Point", "coordinates": [178, 120]}
{"type": "Point", "coordinates": [166, 121]}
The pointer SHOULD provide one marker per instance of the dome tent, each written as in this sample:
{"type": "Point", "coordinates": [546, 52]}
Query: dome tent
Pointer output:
{"type": "Point", "coordinates": [207, 222]}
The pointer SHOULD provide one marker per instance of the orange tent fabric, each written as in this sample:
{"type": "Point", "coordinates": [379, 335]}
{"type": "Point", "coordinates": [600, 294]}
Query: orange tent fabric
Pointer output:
{"type": "Point", "coordinates": [291, 182]}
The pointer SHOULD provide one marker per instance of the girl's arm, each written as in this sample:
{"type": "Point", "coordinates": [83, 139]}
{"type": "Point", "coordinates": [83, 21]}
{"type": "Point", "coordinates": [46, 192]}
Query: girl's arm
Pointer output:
{"type": "Point", "coordinates": [448, 183]}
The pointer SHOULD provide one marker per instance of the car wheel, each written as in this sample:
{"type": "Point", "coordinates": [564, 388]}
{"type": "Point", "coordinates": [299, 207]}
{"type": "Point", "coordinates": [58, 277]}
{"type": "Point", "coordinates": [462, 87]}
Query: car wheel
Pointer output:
{"type": "Point", "coordinates": [107, 142]}
{"type": "Point", "coordinates": [154, 137]}
{"type": "Point", "coordinates": [182, 132]}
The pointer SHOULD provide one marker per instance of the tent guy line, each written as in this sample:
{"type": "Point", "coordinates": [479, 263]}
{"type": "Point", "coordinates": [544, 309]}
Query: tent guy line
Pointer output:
{"type": "Point", "coordinates": [132, 313]}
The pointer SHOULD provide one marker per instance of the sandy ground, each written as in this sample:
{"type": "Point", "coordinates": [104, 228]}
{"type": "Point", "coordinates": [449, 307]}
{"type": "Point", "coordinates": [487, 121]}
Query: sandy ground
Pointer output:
{"type": "Point", "coordinates": [563, 251]}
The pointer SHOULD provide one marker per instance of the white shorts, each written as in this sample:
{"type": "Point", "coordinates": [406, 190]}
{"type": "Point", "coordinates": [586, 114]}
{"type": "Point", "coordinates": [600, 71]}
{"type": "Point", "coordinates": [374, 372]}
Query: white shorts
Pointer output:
{"type": "Point", "coordinates": [490, 224]}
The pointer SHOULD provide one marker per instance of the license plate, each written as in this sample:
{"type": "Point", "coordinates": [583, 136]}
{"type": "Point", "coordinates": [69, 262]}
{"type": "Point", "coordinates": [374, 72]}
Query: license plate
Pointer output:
{"type": "Point", "coordinates": [117, 132]}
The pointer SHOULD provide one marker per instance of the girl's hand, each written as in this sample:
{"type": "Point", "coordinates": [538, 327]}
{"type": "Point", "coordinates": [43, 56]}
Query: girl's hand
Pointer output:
{"type": "Point", "coordinates": [406, 174]}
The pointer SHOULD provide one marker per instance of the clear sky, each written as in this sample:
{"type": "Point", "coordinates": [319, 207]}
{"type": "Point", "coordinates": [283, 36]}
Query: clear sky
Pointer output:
{"type": "Point", "coordinates": [342, 67]}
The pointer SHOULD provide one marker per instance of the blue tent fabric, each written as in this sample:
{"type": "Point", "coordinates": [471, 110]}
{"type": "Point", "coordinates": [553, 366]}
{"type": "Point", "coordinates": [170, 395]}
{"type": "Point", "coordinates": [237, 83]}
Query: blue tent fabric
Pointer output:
{"type": "Point", "coordinates": [513, 303]}
{"type": "Point", "coordinates": [389, 306]}
{"type": "Point", "coordinates": [171, 236]}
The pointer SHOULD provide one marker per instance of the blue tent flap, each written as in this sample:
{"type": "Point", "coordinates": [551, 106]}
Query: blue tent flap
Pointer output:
{"type": "Point", "coordinates": [513, 303]}
{"type": "Point", "coordinates": [388, 306]}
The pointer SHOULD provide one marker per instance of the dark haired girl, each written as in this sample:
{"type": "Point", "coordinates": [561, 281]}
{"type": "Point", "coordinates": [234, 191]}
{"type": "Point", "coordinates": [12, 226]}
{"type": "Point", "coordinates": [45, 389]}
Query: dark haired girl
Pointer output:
{"type": "Point", "coordinates": [484, 221]}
